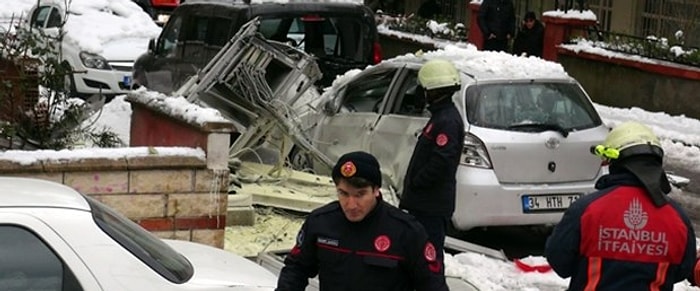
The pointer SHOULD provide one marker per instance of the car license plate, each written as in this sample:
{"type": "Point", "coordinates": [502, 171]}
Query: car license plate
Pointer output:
{"type": "Point", "coordinates": [127, 81]}
{"type": "Point", "coordinates": [553, 202]}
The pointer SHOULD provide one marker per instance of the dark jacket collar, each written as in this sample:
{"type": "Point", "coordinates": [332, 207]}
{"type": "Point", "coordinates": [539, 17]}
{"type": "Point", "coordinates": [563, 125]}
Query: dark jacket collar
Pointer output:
{"type": "Point", "coordinates": [440, 105]}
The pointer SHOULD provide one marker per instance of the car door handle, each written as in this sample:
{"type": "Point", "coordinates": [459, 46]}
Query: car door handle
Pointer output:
{"type": "Point", "coordinates": [335, 142]}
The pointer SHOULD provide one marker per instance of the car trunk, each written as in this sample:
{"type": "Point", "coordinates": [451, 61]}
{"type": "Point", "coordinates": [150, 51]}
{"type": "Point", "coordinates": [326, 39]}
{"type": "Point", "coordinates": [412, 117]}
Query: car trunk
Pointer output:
{"type": "Point", "coordinates": [542, 157]}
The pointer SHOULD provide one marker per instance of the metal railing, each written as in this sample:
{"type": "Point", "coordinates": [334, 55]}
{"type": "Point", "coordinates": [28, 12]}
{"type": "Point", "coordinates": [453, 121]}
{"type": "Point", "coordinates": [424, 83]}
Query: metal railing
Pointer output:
{"type": "Point", "coordinates": [649, 47]}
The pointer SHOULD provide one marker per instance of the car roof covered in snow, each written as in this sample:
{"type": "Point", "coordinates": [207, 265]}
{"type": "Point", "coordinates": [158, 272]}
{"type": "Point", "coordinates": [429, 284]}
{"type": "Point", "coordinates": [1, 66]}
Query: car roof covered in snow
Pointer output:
{"type": "Point", "coordinates": [488, 65]}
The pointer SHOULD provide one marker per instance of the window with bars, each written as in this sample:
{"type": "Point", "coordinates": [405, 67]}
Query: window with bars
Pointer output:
{"type": "Point", "coordinates": [603, 10]}
{"type": "Point", "coordinates": [663, 18]}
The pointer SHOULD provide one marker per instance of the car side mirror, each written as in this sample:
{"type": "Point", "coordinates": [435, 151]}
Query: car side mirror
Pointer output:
{"type": "Point", "coordinates": [151, 44]}
{"type": "Point", "coordinates": [329, 107]}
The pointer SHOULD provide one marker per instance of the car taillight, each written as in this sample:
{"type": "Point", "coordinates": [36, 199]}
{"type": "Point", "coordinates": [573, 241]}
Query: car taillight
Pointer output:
{"type": "Point", "coordinates": [376, 53]}
{"type": "Point", "coordinates": [474, 153]}
{"type": "Point", "coordinates": [168, 3]}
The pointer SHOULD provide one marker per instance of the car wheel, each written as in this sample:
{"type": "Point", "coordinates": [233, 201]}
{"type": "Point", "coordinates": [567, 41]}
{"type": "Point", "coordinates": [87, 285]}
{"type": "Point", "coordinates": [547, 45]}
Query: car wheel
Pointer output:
{"type": "Point", "coordinates": [300, 160]}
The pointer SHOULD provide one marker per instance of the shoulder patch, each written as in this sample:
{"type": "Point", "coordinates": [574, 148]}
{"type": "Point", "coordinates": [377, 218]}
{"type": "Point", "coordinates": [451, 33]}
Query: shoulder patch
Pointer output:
{"type": "Point", "coordinates": [442, 140]}
{"type": "Point", "coordinates": [429, 252]}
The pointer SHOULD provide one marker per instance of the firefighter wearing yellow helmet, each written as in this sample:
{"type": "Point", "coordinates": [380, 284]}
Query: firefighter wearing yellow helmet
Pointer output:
{"type": "Point", "coordinates": [429, 186]}
{"type": "Point", "coordinates": [628, 235]}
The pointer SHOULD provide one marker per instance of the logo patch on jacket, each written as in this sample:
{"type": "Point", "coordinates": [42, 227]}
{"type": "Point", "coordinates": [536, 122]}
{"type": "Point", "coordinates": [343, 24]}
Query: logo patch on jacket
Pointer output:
{"type": "Point", "coordinates": [382, 243]}
{"type": "Point", "coordinates": [429, 252]}
{"type": "Point", "coordinates": [441, 140]}
{"type": "Point", "coordinates": [633, 237]}
{"type": "Point", "coordinates": [328, 241]}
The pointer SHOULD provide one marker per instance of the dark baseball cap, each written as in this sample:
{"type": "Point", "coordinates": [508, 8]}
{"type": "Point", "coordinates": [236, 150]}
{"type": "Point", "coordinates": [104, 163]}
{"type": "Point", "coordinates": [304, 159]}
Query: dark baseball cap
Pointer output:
{"type": "Point", "coordinates": [358, 164]}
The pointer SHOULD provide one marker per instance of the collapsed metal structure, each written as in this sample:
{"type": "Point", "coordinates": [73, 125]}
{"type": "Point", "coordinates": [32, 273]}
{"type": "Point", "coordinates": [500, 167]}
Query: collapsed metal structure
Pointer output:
{"type": "Point", "coordinates": [255, 83]}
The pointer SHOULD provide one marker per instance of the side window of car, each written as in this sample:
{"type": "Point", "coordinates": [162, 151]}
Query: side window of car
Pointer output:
{"type": "Point", "coordinates": [410, 99]}
{"type": "Point", "coordinates": [29, 264]}
{"type": "Point", "coordinates": [367, 93]}
{"type": "Point", "coordinates": [40, 15]}
{"type": "Point", "coordinates": [54, 19]}
{"type": "Point", "coordinates": [171, 35]}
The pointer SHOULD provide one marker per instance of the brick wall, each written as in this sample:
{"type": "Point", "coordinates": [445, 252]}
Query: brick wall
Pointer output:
{"type": "Point", "coordinates": [175, 197]}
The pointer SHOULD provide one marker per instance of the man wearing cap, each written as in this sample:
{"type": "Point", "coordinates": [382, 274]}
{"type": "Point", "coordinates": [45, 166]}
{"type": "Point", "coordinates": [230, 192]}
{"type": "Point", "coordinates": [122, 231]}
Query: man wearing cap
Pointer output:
{"type": "Point", "coordinates": [361, 242]}
{"type": "Point", "coordinates": [628, 235]}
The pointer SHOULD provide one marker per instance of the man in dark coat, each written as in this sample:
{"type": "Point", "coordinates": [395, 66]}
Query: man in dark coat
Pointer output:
{"type": "Point", "coordinates": [497, 23]}
{"type": "Point", "coordinates": [530, 38]}
{"type": "Point", "coordinates": [429, 185]}
{"type": "Point", "coordinates": [361, 242]}
{"type": "Point", "coordinates": [628, 235]}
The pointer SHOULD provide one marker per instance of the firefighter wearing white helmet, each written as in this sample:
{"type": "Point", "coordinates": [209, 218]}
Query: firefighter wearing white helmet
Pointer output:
{"type": "Point", "coordinates": [429, 185]}
{"type": "Point", "coordinates": [628, 235]}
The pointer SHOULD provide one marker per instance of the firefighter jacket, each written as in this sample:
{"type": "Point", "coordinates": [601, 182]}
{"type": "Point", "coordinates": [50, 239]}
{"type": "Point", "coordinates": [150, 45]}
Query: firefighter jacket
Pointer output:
{"type": "Point", "coordinates": [388, 250]}
{"type": "Point", "coordinates": [616, 239]}
{"type": "Point", "coordinates": [429, 184]}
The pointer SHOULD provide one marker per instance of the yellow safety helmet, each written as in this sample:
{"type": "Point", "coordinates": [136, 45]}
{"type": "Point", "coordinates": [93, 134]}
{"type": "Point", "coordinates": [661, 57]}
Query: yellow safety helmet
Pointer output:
{"type": "Point", "coordinates": [628, 139]}
{"type": "Point", "coordinates": [437, 73]}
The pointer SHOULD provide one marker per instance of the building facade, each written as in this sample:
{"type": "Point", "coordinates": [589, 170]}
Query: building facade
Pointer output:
{"type": "Point", "coordinates": [642, 18]}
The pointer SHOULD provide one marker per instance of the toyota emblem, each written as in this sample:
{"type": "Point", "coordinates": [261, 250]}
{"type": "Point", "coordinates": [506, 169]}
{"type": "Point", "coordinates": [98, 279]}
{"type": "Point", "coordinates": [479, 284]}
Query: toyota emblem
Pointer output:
{"type": "Point", "coordinates": [552, 143]}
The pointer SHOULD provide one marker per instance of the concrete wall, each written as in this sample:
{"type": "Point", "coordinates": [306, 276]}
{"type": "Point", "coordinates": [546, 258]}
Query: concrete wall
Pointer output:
{"type": "Point", "coordinates": [623, 83]}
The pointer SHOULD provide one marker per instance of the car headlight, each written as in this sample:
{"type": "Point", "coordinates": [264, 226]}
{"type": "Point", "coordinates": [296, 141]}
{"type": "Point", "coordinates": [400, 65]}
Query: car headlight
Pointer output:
{"type": "Point", "coordinates": [474, 153]}
{"type": "Point", "coordinates": [94, 61]}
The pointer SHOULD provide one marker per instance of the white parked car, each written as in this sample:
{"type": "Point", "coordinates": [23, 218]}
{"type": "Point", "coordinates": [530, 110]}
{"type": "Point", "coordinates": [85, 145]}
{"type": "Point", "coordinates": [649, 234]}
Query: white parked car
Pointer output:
{"type": "Point", "coordinates": [54, 238]}
{"type": "Point", "coordinates": [102, 40]}
{"type": "Point", "coordinates": [529, 127]}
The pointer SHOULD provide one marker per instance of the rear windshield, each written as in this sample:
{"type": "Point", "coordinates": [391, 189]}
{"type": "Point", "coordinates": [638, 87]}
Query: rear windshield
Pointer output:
{"type": "Point", "coordinates": [144, 245]}
{"type": "Point", "coordinates": [514, 106]}
{"type": "Point", "coordinates": [321, 35]}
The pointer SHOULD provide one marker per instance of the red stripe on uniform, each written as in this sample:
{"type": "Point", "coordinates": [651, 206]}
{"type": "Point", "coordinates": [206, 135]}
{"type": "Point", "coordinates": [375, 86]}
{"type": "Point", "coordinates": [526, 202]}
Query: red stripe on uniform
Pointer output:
{"type": "Point", "coordinates": [371, 254]}
{"type": "Point", "coordinates": [594, 266]}
{"type": "Point", "coordinates": [335, 249]}
{"type": "Point", "coordinates": [660, 276]}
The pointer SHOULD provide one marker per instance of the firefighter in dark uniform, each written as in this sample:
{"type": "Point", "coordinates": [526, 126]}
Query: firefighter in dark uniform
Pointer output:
{"type": "Point", "coordinates": [628, 235]}
{"type": "Point", "coordinates": [429, 185]}
{"type": "Point", "coordinates": [361, 242]}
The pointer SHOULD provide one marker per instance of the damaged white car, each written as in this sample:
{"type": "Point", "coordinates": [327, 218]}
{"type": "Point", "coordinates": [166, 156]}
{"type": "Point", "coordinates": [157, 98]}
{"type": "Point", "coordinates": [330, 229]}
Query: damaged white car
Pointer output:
{"type": "Point", "coordinates": [529, 127]}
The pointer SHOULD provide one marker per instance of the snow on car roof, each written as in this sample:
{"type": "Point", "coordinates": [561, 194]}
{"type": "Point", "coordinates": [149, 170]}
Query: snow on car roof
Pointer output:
{"type": "Point", "coordinates": [482, 65]}
{"type": "Point", "coordinates": [27, 192]}
{"type": "Point", "coordinates": [490, 65]}
{"type": "Point", "coordinates": [93, 23]}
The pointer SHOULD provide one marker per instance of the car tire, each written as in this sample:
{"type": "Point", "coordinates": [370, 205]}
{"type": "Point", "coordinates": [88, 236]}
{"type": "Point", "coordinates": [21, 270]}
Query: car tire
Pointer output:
{"type": "Point", "coordinates": [300, 160]}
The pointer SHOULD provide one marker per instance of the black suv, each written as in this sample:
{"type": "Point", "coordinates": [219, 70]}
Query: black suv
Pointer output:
{"type": "Point", "coordinates": [341, 35]}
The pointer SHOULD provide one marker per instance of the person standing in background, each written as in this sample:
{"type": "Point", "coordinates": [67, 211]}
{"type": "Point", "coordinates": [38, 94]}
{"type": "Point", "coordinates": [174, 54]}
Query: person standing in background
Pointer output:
{"type": "Point", "coordinates": [430, 183]}
{"type": "Point", "coordinates": [497, 23]}
{"type": "Point", "coordinates": [530, 37]}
